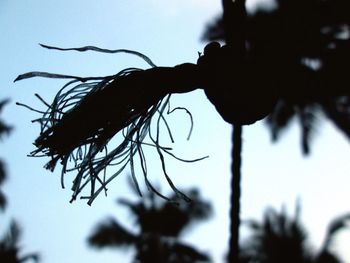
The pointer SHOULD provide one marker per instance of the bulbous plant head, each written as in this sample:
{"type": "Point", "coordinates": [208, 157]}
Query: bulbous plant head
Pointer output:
{"type": "Point", "coordinates": [300, 51]}
{"type": "Point", "coordinates": [227, 84]}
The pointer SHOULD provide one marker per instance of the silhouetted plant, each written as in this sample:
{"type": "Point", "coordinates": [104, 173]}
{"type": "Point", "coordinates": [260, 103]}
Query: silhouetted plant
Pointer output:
{"type": "Point", "coordinates": [4, 129]}
{"type": "Point", "coordinates": [300, 49]}
{"type": "Point", "coordinates": [74, 112]}
{"type": "Point", "coordinates": [280, 238]}
{"type": "Point", "coordinates": [95, 109]}
{"type": "Point", "coordinates": [9, 247]}
{"type": "Point", "coordinates": [160, 226]}
{"type": "Point", "coordinates": [298, 54]}
{"type": "Point", "coordinates": [291, 60]}
{"type": "Point", "coordinates": [2, 179]}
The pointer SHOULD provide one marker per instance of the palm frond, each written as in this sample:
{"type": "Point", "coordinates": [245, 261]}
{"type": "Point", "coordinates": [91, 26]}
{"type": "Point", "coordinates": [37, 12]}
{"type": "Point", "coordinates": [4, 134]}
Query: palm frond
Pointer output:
{"type": "Point", "coordinates": [338, 111]}
{"type": "Point", "coordinates": [4, 128]}
{"type": "Point", "coordinates": [277, 238]}
{"type": "Point", "coordinates": [337, 224]}
{"type": "Point", "coordinates": [34, 257]}
{"type": "Point", "coordinates": [159, 225]}
{"type": "Point", "coordinates": [303, 48]}
{"type": "Point", "coordinates": [11, 238]}
{"type": "Point", "coordinates": [199, 209]}
{"type": "Point", "coordinates": [103, 50]}
{"type": "Point", "coordinates": [214, 30]}
{"type": "Point", "coordinates": [168, 218]}
{"type": "Point", "coordinates": [327, 257]}
{"type": "Point", "coordinates": [308, 120]}
{"type": "Point", "coordinates": [2, 172]}
{"type": "Point", "coordinates": [111, 234]}
{"type": "Point", "coordinates": [188, 254]}
{"type": "Point", "coordinates": [3, 103]}
{"type": "Point", "coordinates": [77, 128]}
{"type": "Point", "coordinates": [280, 118]}
{"type": "Point", "coordinates": [3, 201]}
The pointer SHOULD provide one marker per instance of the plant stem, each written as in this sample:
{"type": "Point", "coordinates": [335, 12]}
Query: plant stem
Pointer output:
{"type": "Point", "coordinates": [235, 194]}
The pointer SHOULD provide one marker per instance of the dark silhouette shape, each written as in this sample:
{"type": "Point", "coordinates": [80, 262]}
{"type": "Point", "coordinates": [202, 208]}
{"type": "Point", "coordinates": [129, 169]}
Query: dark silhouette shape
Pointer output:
{"type": "Point", "coordinates": [82, 120]}
{"type": "Point", "coordinates": [4, 130]}
{"type": "Point", "coordinates": [298, 56]}
{"type": "Point", "coordinates": [234, 21]}
{"type": "Point", "coordinates": [2, 179]}
{"type": "Point", "coordinates": [280, 238]}
{"type": "Point", "coordinates": [73, 112]}
{"type": "Point", "coordinates": [9, 248]}
{"type": "Point", "coordinates": [235, 194]}
{"type": "Point", "coordinates": [282, 62]}
{"type": "Point", "coordinates": [160, 225]}
{"type": "Point", "coordinates": [301, 51]}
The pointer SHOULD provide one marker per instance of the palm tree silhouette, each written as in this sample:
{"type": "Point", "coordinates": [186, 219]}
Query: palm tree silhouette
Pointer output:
{"type": "Point", "coordinates": [9, 248]}
{"type": "Point", "coordinates": [160, 225]}
{"type": "Point", "coordinates": [2, 179]}
{"type": "Point", "coordinates": [302, 49]}
{"type": "Point", "coordinates": [299, 51]}
{"type": "Point", "coordinates": [4, 129]}
{"type": "Point", "coordinates": [292, 60]}
{"type": "Point", "coordinates": [279, 238]}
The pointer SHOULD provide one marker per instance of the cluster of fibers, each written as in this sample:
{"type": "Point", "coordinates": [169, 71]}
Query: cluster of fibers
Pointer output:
{"type": "Point", "coordinates": [89, 152]}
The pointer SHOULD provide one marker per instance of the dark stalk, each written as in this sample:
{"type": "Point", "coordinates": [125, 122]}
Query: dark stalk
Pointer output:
{"type": "Point", "coordinates": [233, 254]}
{"type": "Point", "coordinates": [234, 16]}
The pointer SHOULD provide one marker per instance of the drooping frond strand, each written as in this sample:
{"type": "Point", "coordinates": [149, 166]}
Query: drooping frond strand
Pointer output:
{"type": "Point", "coordinates": [97, 123]}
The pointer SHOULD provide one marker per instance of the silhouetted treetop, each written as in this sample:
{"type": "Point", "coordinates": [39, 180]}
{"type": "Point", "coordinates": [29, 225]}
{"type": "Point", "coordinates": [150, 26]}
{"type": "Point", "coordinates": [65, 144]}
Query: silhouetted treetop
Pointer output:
{"type": "Point", "coordinates": [158, 227]}
{"type": "Point", "coordinates": [10, 249]}
{"type": "Point", "coordinates": [4, 130]}
{"type": "Point", "coordinates": [281, 238]}
{"type": "Point", "coordinates": [290, 61]}
{"type": "Point", "coordinates": [301, 51]}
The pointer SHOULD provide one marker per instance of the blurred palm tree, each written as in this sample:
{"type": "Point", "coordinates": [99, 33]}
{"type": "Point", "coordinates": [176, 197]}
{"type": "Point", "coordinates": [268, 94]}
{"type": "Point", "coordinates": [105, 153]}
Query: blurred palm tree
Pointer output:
{"type": "Point", "coordinates": [4, 129]}
{"type": "Point", "coordinates": [289, 61]}
{"type": "Point", "coordinates": [279, 238]}
{"type": "Point", "coordinates": [9, 247]}
{"type": "Point", "coordinates": [160, 224]}
{"type": "Point", "coordinates": [297, 56]}
{"type": "Point", "coordinates": [2, 179]}
{"type": "Point", "coordinates": [301, 50]}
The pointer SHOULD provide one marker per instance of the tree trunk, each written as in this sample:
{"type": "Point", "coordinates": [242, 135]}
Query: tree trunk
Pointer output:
{"type": "Point", "coordinates": [234, 19]}
{"type": "Point", "coordinates": [235, 194]}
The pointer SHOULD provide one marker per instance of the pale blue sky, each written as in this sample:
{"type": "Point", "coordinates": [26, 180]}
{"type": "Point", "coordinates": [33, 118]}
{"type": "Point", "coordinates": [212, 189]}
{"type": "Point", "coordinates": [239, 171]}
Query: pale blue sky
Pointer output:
{"type": "Point", "coordinates": [169, 33]}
